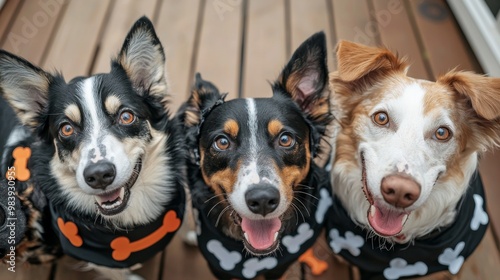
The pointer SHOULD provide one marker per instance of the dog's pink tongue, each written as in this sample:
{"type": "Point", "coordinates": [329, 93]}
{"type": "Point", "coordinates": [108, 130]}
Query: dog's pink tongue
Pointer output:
{"type": "Point", "coordinates": [109, 197]}
{"type": "Point", "coordinates": [386, 222]}
{"type": "Point", "coordinates": [260, 233]}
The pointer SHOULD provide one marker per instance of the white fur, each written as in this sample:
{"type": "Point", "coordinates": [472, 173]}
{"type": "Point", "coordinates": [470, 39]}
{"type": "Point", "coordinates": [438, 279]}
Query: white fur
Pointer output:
{"type": "Point", "coordinates": [407, 145]}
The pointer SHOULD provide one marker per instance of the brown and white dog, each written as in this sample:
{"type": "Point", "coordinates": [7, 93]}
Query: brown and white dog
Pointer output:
{"type": "Point", "coordinates": [406, 154]}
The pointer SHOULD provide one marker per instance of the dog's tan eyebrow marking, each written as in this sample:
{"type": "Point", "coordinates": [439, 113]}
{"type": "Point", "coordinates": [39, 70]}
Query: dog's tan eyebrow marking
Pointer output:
{"type": "Point", "coordinates": [112, 104]}
{"type": "Point", "coordinates": [274, 127]}
{"type": "Point", "coordinates": [73, 113]}
{"type": "Point", "coordinates": [231, 127]}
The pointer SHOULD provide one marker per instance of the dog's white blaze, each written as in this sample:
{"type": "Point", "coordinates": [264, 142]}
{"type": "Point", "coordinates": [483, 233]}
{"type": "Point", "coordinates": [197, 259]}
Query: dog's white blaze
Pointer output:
{"type": "Point", "coordinates": [249, 172]}
{"type": "Point", "coordinates": [90, 105]}
{"type": "Point", "coordinates": [98, 137]}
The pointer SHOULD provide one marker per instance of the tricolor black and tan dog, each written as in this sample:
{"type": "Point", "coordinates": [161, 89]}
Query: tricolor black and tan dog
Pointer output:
{"type": "Point", "coordinates": [258, 196]}
{"type": "Point", "coordinates": [107, 157]}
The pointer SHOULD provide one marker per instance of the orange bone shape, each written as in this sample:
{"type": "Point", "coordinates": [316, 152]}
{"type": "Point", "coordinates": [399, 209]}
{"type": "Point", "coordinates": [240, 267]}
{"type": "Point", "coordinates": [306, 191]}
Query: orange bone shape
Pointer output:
{"type": "Point", "coordinates": [122, 247]}
{"type": "Point", "coordinates": [70, 231]}
{"type": "Point", "coordinates": [21, 156]}
{"type": "Point", "coordinates": [317, 266]}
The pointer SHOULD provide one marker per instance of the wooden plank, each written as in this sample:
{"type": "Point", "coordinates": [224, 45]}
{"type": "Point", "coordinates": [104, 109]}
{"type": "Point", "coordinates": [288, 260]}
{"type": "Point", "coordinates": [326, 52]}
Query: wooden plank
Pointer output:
{"type": "Point", "coordinates": [307, 18]}
{"type": "Point", "coordinates": [73, 47]}
{"type": "Point", "coordinates": [353, 22]}
{"type": "Point", "coordinates": [123, 16]}
{"type": "Point", "coordinates": [392, 19]}
{"type": "Point", "coordinates": [7, 13]}
{"type": "Point", "coordinates": [337, 269]}
{"type": "Point", "coordinates": [70, 268]}
{"type": "Point", "coordinates": [26, 272]}
{"type": "Point", "coordinates": [151, 268]}
{"type": "Point", "coordinates": [30, 36]}
{"type": "Point", "coordinates": [219, 49]}
{"type": "Point", "coordinates": [184, 262]}
{"type": "Point", "coordinates": [484, 262]}
{"type": "Point", "coordinates": [176, 29]}
{"type": "Point", "coordinates": [265, 46]}
{"type": "Point", "coordinates": [441, 37]}
{"type": "Point", "coordinates": [491, 177]}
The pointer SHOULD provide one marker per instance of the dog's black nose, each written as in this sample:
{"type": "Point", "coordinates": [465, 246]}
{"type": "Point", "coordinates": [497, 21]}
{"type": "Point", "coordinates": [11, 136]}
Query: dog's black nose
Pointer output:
{"type": "Point", "coordinates": [262, 199]}
{"type": "Point", "coordinates": [99, 175]}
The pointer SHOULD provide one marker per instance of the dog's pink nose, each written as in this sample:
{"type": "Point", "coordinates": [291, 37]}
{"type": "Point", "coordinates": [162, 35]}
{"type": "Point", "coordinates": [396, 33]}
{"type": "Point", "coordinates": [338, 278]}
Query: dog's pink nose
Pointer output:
{"type": "Point", "coordinates": [400, 191]}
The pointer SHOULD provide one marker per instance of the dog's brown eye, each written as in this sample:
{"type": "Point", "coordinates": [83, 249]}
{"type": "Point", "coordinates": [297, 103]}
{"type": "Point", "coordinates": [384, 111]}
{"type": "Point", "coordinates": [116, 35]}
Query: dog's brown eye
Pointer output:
{"type": "Point", "coordinates": [221, 143]}
{"type": "Point", "coordinates": [126, 117]}
{"type": "Point", "coordinates": [442, 134]}
{"type": "Point", "coordinates": [66, 130]}
{"type": "Point", "coordinates": [381, 118]}
{"type": "Point", "coordinates": [286, 140]}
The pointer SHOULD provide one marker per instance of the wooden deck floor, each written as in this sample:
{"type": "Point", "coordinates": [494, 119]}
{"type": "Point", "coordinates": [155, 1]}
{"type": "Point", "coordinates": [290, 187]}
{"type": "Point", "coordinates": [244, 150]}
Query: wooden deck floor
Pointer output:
{"type": "Point", "coordinates": [240, 45]}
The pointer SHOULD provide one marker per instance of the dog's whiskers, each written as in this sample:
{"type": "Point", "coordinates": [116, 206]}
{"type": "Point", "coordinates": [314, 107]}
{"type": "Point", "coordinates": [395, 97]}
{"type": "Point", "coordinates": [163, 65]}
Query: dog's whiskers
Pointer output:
{"type": "Point", "coordinates": [297, 209]}
{"type": "Point", "coordinates": [222, 213]}
{"type": "Point", "coordinates": [303, 205]}
{"type": "Point", "coordinates": [213, 207]}
{"type": "Point", "coordinates": [313, 196]}
{"type": "Point", "coordinates": [214, 196]}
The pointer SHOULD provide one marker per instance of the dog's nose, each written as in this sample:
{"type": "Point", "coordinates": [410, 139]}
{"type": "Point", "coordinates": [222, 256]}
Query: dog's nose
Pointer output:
{"type": "Point", "coordinates": [99, 175]}
{"type": "Point", "coordinates": [262, 199]}
{"type": "Point", "coordinates": [400, 191]}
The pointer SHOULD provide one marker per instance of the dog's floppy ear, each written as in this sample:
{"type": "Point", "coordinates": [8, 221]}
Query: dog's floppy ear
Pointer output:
{"type": "Point", "coordinates": [305, 78]}
{"type": "Point", "coordinates": [482, 96]}
{"type": "Point", "coordinates": [26, 89]}
{"type": "Point", "coordinates": [356, 61]}
{"type": "Point", "coordinates": [143, 59]}
{"type": "Point", "coordinates": [204, 95]}
{"type": "Point", "coordinates": [483, 92]}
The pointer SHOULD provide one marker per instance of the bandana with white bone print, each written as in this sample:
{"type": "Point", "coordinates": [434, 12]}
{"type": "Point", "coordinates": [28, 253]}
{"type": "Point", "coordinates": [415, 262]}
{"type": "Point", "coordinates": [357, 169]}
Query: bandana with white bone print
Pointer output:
{"type": "Point", "coordinates": [441, 250]}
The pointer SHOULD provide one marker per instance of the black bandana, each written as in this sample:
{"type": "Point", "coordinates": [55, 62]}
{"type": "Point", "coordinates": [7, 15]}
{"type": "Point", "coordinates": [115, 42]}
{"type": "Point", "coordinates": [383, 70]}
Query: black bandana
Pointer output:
{"type": "Point", "coordinates": [115, 248]}
{"type": "Point", "coordinates": [444, 249]}
{"type": "Point", "coordinates": [227, 257]}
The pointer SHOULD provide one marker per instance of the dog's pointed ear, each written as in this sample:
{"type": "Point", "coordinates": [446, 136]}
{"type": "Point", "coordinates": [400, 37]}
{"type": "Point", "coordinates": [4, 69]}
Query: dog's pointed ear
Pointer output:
{"type": "Point", "coordinates": [143, 59]}
{"type": "Point", "coordinates": [204, 94]}
{"type": "Point", "coordinates": [481, 95]}
{"type": "Point", "coordinates": [356, 61]}
{"type": "Point", "coordinates": [26, 89]}
{"type": "Point", "coordinates": [305, 76]}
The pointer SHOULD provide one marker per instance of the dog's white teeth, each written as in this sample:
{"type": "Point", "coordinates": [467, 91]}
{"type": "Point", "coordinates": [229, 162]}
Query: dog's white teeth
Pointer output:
{"type": "Point", "coordinates": [405, 217]}
{"type": "Point", "coordinates": [372, 210]}
{"type": "Point", "coordinates": [113, 205]}
{"type": "Point", "coordinates": [275, 236]}
{"type": "Point", "coordinates": [122, 193]}
{"type": "Point", "coordinates": [246, 236]}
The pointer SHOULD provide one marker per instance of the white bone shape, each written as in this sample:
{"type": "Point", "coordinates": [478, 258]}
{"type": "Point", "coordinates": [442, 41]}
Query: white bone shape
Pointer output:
{"type": "Point", "coordinates": [480, 216]}
{"type": "Point", "coordinates": [400, 268]}
{"type": "Point", "coordinates": [227, 260]}
{"type": "Point", "coordinates": [351, 242]}
{"type": "Point", "coordinates": [451, 258]}
{"type": "Point", "coordinates": [324, 203]}
{"type": "Point", "coordinates": [293, 243]}
{"type": "Point", "coordinates": [254, 265]}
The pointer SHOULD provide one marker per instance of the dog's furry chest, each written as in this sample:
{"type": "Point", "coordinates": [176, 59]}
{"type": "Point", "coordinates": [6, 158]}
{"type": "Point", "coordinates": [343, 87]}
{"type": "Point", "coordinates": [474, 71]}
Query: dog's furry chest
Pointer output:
{"type": "Point", "coordinates": [227, 258]}
{"type": "Point", "coordinates": [442, 250]}
{"type": "Point", "coordinates": [118, 248]}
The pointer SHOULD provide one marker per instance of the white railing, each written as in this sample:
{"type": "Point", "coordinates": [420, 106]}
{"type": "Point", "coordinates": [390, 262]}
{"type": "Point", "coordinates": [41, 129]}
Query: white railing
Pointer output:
{"type": "Point", "coordinates": [482, 31]}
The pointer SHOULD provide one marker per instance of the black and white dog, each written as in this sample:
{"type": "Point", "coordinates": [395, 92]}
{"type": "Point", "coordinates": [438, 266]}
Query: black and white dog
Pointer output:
{"type": "Point", "coordinates": [107, 156]}
{"type": "Point", "coordinates": [255, 186]}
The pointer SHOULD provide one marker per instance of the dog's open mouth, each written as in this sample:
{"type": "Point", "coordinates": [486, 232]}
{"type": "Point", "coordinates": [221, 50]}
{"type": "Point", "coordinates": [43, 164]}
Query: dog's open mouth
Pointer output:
{"type": "Point", "coordinates": [115, 201]}
{"type": "Point", "coordinates": [384, 222]}
{"type": "Point", "coordinates": [260, 237]}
